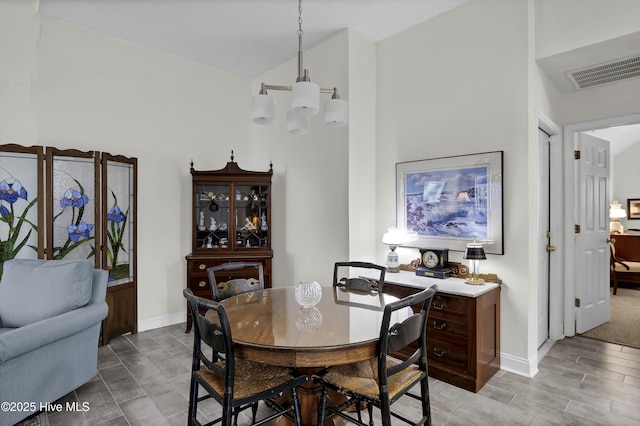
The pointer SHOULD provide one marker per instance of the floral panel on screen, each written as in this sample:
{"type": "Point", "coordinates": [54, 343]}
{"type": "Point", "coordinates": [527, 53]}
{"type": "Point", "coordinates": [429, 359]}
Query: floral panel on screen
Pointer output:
{"type": "Point", "coordinates": [119, 224]}
{"type": "Point", "coordinates": [73, 208]}
{"type": "Point", "coordinates": [19, 205]}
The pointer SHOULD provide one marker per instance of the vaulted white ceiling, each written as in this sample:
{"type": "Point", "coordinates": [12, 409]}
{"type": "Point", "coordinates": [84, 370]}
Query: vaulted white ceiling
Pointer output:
{"type": "Point", "coordinates": [250, 37]}
{"type": "Point", "coordinates": [246, 37]}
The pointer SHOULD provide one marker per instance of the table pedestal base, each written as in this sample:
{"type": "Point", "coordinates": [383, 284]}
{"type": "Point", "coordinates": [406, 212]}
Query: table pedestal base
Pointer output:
{"type": "Point", "coordinates": [309, 395]}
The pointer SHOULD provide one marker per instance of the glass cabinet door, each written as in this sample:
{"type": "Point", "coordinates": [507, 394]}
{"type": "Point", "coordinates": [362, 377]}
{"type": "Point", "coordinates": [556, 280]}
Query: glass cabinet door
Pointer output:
{"type": "Point", "coordinates": [251, 214]}
{"type": "Point", "coordinates": [212, 205]}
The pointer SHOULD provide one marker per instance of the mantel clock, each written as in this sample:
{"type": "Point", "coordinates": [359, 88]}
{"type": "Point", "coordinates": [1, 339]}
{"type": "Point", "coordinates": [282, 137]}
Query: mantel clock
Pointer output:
{"type": "Point", "coordinates": [434, 263]}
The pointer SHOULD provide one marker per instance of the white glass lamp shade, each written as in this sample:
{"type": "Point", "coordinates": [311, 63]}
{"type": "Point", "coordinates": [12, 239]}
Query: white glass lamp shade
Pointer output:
{"type": "Point", "coordinates": [336, 113]}
{"type": "Point", "coordinates": [393, 237]}
{"type": "Point", "coordinates": [305, 96]}
{"type": "Point", "coordinates": [297, 122]}
{"type": "Point", "coordinates": [263, 109]}
{"type": "Point", "coordinates": [616, 213]}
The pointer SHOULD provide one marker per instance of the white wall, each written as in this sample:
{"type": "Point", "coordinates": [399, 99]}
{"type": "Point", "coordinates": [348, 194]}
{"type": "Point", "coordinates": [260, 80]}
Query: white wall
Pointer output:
{"type": "Point", "coordinates": [364, 228]}
{"type": "Point", "coordinates": [18, 39]}
{"type": "Point", "coordinates": [571, 24]}
{"type": "Point", "coordinates": [93, 92]}
{"type": "Point", "coordinates": [454, 85]}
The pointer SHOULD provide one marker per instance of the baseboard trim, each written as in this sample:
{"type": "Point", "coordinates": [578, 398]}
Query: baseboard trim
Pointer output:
{"type": "Point", "coordinates": [162, 321]}
{"type": "Point", "coordinates": [517, 365]}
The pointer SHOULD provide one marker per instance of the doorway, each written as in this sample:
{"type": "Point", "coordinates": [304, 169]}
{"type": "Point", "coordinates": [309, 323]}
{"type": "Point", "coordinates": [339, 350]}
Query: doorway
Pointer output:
{"type": "Point", "coordinates": [570, 286]}
{"type": "Point", "coordinates": [548, 232]}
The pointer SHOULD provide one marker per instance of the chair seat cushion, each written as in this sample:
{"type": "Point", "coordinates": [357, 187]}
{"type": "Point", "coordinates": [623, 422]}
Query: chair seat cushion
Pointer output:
{"type": "Point", "coordinates": [633, 267]}
{"type": "Point", "coordinates": [362, 377]}
{"type": "Point", "coordinates": [250, 378]}
{"type": "Point", "coordinates": [34, 290]}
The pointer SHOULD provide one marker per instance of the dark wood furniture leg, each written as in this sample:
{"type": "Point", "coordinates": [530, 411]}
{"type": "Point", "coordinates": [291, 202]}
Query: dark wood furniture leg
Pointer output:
{"type": "Point", "coordinates": [309, 395]}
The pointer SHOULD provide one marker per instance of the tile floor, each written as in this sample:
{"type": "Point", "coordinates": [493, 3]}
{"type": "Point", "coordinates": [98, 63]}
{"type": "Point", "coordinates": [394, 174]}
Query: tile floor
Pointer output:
{"type": "Point", "coordinates": [143, 379]}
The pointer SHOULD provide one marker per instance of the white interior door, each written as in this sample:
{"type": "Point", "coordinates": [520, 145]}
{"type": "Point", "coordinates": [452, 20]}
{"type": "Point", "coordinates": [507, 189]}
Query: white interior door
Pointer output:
{"type": "Point", "coordinates": [543, 237]}
{"type": "Point", "coordinates": [592, 247]}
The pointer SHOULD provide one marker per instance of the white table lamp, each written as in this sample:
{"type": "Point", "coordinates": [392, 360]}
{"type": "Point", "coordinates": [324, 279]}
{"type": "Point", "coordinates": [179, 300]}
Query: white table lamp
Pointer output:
{"type": "Point", "coordinates": [393, 238]}
{"type": "Point", "coordinates": [616, 213]}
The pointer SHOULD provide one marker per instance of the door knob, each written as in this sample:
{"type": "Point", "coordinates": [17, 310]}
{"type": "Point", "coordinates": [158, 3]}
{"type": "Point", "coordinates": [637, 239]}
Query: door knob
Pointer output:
{"type": "Point", "coordinates": [551, 248]}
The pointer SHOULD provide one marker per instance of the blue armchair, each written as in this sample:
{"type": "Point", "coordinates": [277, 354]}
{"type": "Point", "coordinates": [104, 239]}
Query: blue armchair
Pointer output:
{"type": "Point", "coordinates": [50, 317]}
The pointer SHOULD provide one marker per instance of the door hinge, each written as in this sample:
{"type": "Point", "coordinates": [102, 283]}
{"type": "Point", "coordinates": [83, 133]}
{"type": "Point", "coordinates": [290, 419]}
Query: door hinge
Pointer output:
{"type": "Point", "coordinates": [548, 234]}
{"type": "Point", "coordinates": [577, 302]}
{"type": "Point", "coordinates": [576, 155]}
{"type": "Point", "coordinates": [577, 229]}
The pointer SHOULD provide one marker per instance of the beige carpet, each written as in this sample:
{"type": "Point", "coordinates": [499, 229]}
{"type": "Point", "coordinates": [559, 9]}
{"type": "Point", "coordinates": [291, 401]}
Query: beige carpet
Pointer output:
{"type": "Point", "coordinates": [624, 326]}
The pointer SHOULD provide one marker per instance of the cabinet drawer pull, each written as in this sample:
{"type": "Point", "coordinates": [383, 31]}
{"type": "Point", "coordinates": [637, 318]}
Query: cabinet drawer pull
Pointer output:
{"type": "Point", "coordinates": [437, 306]}
{"type": "Point", "coordinates": [439, 353]}
{"type": "Point", "coordinates": [202, 283]}
{"type": "Point", "coordinates": [439, 327]}
{"type": "Point", "coordinates": [202, 266]}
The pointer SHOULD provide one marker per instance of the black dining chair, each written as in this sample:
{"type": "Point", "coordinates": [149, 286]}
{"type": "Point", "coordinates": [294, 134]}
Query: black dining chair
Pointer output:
{"type": "Point", "coordinates": [235, 383]}
{"type": "Point", "coordinates": [243, 277]}
{"type": "Point", "coordinates": [344, 276]}
{"type": "Point", "coordinates": [383, 380]}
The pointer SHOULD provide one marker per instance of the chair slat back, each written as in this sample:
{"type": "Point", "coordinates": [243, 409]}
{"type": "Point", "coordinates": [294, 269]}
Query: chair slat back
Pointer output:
{"type": "Point", "coordinates": [217, 335]}
{"type": "Point", "coordinates": [252, 280]}
{"type": "Point", "coordinates": [405, 333]}
{"type": "Point", "coordinates": [358, 283]}
{"type": "Point", "coordinates": [399, 335]}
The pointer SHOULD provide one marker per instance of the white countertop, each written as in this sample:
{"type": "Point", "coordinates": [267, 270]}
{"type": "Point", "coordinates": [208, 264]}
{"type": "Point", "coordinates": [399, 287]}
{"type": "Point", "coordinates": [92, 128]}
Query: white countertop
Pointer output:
{"type": "Point", "coordinates": [455, 286]}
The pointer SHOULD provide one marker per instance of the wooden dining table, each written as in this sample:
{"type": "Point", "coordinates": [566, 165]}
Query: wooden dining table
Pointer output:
{"type": "Point", "coordinates": [271, 327]}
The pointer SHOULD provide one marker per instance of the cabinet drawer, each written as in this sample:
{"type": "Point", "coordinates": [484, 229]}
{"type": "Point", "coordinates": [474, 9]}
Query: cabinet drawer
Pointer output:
{"type": "Point", "coordinates": [437, 325]}
{"type": "Point", "coordinates": [448, 353]}
{"type": "Point", "coordinates": [200, 266]}
{"type": "Point", "coordinates": [449, 303]}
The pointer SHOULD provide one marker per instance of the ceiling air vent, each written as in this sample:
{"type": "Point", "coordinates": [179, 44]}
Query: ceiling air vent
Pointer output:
{"type": "Point", "coordinates": [606, 72]}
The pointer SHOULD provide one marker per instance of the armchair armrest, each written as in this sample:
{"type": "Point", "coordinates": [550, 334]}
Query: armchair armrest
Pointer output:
{"type": "Point", "coordinates": [615, 259]}
{"type": "Point", "coordinates": [29, 337]}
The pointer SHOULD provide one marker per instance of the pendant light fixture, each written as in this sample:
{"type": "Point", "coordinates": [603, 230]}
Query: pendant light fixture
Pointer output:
{"type": "Point", "coordinates": [305, 99]}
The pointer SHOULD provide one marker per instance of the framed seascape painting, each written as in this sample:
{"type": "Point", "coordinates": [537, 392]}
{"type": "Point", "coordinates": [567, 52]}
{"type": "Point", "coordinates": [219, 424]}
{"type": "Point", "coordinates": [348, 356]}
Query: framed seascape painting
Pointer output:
{"type": "Point", "coordinates": [452, 200]}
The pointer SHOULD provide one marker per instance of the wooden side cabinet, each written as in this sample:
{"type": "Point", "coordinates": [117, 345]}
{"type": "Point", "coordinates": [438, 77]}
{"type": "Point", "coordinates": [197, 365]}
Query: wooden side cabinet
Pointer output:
{"type": "Point", "coordinates": [463, 335]}
{"type": "Point", "coordinates": [231, 215]}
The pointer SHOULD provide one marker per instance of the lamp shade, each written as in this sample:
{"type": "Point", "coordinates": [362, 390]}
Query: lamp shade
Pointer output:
{"type": "Point", "coordinates": [297, 122]}
{"type": "Point", "coordinates": [474, 251]}
{"type": "Point", "coordinates": [616, 211]}
{"type": "Point", "coordinates": [336, 113]}
{"type": "Point", "coordinates": [394, 237]}
{"type": "Point", "coordinates": [397, 236]}
{"type": "Point", "coordinates": [263, 109]}
{"type": "Point", "coordinates": [305, 96]}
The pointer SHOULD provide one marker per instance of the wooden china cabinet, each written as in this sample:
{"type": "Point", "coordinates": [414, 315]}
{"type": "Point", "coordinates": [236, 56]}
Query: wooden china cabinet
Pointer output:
{"type": "Point", "coordinates": [231, 222]}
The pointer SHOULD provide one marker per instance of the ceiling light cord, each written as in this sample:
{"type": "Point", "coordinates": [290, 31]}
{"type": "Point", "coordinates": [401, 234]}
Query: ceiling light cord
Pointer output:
{"type": "Point", "coordinates": [303, 75]}
{"type": "Point", "coordinates": [305, 99]}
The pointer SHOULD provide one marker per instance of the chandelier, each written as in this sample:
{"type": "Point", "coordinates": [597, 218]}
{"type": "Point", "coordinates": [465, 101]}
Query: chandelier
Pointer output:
{"type": "Point", "coordinates": [305, 99]}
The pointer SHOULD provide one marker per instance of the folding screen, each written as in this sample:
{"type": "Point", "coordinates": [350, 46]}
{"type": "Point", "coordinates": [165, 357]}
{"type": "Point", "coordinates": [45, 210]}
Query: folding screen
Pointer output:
{"type": "Point", "coordinates": [90, 214]}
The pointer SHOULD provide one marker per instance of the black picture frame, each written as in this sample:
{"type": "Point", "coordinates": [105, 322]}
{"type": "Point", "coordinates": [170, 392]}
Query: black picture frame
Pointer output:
{"type": "Point", "coordinates": [633, 208]}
